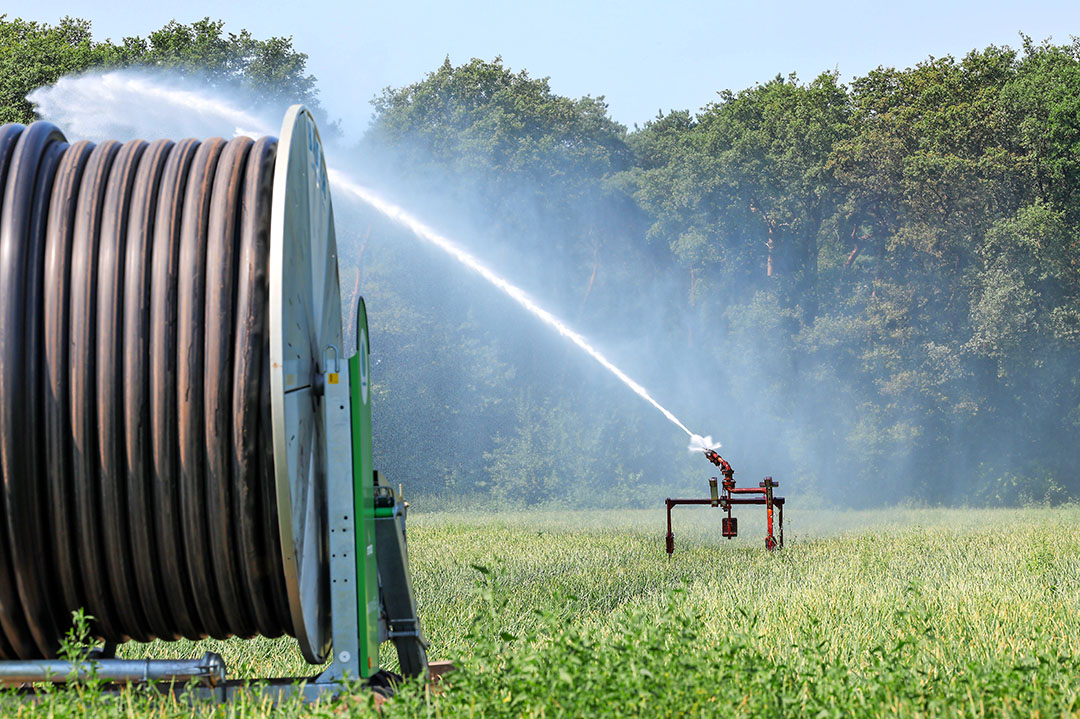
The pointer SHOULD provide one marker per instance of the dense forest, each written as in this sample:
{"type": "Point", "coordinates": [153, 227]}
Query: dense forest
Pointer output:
{"type": "Point", "coordinates": [869, 290]}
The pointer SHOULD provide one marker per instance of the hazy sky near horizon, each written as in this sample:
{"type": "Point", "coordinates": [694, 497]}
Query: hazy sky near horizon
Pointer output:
{"type": "Point", "coordinates": [643, 57]}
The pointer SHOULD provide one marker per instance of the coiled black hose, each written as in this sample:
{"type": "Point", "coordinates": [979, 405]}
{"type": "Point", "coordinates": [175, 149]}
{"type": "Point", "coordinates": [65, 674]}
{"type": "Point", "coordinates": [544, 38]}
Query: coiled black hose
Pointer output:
{"type": "Point", "coordinates": [135, 457]}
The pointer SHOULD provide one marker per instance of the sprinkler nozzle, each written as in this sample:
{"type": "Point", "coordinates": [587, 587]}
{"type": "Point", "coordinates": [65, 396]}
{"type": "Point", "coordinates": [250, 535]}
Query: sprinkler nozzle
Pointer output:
{"type": "Point", "coordinates": [725, 468]}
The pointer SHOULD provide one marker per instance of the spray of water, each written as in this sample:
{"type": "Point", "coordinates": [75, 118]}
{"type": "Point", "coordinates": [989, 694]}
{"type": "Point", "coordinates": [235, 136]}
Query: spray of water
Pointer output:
{"type": "Point", "coordinates": [418, 228]}
{"type": "Point", "coordinates": [130, 103]}
{"type": "Point", "coordinates": [126, 104]}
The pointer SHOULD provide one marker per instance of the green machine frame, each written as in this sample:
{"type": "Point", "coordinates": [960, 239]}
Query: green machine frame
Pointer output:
{"type": "Point", "coordinates": [372, 598]}
{"type": "Point", "coordinates": [371, 594]}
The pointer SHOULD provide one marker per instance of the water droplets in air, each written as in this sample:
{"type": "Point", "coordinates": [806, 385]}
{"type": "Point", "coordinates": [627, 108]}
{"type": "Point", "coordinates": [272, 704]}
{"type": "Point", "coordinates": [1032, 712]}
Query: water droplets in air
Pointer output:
{"type": "Point", "coordinates": [125, 104]}
{"type": "Point", "coordinates": [700, 444]}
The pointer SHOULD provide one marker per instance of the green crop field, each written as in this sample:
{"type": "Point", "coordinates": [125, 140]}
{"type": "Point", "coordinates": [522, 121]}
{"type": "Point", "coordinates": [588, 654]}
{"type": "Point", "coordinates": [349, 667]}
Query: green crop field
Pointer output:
{"type": "Point", "coordinates": [581, 614]}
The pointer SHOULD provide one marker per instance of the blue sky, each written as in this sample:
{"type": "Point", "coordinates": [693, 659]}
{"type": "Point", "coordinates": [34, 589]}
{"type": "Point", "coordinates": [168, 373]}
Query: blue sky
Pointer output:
{"type": "Point", "coordinates": [642, 56]}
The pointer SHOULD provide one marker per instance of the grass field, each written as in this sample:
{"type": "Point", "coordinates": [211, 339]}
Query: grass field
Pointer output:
{"type": "Point", "coordinates": [906, 613]}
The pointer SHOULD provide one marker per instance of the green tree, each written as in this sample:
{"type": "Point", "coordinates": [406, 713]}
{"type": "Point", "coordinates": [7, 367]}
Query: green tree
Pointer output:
{"type": "Point", "coordinates": [36, 54]}
{"type": "Point", "coordinates": [1042, 100]}
{"type": "Point", "coordinates": [531, 163]}
{"type": "Point", "coordinates": [525, 178]}
{"type": "Point", "coordinates": [889, 270]}
{"type": "Point", "coordinates": [272, 70]}
{"type": "Point", "coordinates": [741, 192]}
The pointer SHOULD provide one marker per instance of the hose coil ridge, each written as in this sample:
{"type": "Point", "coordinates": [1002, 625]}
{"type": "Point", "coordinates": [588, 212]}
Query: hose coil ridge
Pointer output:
{"type": "Point", "coordinates": [136, 466]}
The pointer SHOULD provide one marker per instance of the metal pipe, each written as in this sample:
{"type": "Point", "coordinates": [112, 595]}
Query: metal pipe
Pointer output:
{"type": "Point", "coordinates": [768, 484]}
{"type": "Point", "coordinates": [732, 495]}
{"type": "Point", "coordinates": [210, 669]}
{"type": "Point", "coordinates": [778, 501]}
{"type": "Point", "coordinates": [770, 542]}
{"type": "Point", "coordinates": [669, 539]}
{"type": "Point", "coordinates": [781, 505]}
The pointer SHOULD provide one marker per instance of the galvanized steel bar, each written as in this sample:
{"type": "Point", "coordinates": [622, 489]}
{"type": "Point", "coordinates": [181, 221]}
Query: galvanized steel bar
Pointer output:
{"type": "Point", "coordinates": [210, 670]}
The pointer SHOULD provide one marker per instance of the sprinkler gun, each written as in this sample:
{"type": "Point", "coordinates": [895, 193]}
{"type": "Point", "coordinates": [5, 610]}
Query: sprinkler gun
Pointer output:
{"type": "Point", "coordinates": [725, 468]}
{"type": "Point", "coordinates": [762, 494]}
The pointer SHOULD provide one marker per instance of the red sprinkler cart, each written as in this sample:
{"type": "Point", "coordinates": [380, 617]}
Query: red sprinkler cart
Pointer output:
{"type": "Point", "coordinates": [732, 495]}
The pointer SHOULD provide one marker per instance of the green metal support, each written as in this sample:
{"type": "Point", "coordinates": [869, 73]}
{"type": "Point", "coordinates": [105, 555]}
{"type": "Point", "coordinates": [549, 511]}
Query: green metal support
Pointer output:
{"type": "Point", "coordinates": [364, 496]}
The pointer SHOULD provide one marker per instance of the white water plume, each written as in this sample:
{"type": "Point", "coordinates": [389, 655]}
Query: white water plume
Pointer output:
{"type": "Point", "coordinates": [700, 444]}
{"type": "Point", "coordinates": [418, 228]}
{"type": "Point", "coordinates": [124, 104]}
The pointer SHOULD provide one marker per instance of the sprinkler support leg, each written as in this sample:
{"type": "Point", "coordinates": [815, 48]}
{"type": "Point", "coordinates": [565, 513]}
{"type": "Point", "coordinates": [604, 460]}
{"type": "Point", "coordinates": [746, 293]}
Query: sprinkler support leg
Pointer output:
{"type": "Point", "coordinates": [770, 540]}
{"type": "Point", "coordinates": [670, 538]}
{"type": "Point", "coordinates": [781, 525]}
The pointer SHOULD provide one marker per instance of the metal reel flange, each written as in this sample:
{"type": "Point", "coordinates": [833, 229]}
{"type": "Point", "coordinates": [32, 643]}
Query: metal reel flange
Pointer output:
{"type": "Point", "coordinates": [305, 319]}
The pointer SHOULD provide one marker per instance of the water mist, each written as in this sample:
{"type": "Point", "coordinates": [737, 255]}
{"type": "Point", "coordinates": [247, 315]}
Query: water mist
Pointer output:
{"type": "Point", "coordinates": [128, 103]}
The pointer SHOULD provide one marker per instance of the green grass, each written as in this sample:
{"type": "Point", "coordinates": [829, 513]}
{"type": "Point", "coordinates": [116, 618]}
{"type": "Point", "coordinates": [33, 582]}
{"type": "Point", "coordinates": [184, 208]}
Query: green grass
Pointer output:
{"type": "Point", "coordinates": [903, 613]}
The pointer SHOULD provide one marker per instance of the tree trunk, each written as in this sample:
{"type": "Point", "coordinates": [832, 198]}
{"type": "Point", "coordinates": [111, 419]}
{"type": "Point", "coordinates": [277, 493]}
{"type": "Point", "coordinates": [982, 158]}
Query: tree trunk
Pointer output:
{"type": "Point", "coordinates": [855, 251]}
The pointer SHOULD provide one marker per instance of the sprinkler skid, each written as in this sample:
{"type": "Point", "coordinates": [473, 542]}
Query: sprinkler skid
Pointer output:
{"type": "Point", "coordinates": [732, 496]}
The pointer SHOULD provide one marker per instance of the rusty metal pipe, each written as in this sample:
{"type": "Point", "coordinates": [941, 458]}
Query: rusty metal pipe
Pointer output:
{"type": "Point", "coordinates": [779, 501]}
{"type": "Point", "coordinates": [733, 496]}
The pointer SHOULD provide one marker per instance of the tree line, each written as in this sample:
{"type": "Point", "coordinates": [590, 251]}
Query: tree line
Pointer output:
{"type": "Point", "coordinates": [35, 54]}
{"type": "Point", "coordinates": [877, 282]}
{"type": "Point", "coordinates": [869, 289]}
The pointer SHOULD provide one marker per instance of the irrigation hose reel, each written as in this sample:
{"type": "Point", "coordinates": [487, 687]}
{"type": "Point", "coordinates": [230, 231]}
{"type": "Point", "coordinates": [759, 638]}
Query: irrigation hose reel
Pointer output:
{"type": "Point", "coordinates": [184, 449]}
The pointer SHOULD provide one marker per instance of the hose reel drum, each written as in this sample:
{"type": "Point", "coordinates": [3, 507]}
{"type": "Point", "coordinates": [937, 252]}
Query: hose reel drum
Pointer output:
{"type": "Point", "coordinates": [184, 449]}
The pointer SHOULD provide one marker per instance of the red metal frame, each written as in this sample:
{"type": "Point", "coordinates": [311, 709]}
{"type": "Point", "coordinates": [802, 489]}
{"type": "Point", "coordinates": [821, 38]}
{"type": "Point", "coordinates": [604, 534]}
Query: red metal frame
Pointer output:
{"type": "Point", "coordinates": [729, 498]}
